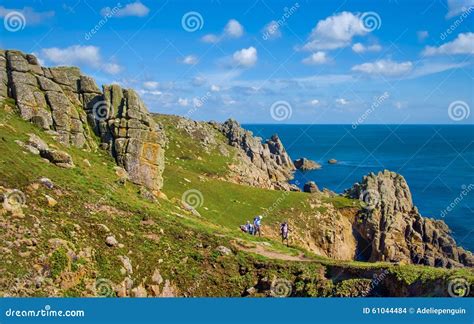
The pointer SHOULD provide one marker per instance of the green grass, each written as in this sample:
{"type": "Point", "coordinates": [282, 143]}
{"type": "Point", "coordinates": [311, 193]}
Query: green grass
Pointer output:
{"type": "Point", "coordinates": [156, 235]}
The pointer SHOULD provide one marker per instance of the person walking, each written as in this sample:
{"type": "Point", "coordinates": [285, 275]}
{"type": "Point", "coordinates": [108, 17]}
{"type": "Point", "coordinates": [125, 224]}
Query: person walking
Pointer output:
{"type": "Point", "coordinates": [257, 223]}
{"type": "Point", "coordinates": [284, 231]}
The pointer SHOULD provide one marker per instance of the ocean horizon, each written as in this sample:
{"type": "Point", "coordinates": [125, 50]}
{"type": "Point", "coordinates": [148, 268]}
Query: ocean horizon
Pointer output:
{"type": "Point", "coordinates": [436, 160]}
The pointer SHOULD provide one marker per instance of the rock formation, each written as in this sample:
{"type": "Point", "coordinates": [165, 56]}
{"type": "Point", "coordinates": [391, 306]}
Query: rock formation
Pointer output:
{"type": "Point", "coordinates": [304, 164]}
{"type": "Point", "coordinates": [71, 107]}
{"type": "Point", "coordinates": [129, 132]}
{"type": "Point", "coordinates": [47, 97]}
{"type": "Point", "coordinates": [310, 187]}
{"type": "Point", "coordinates": [265, 164]}
{"type": "Point", "coordinates": [390, 228]}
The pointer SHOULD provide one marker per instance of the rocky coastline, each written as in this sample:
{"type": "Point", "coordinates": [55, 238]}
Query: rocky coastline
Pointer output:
{"type": "Point", "coordinates": [381, 224]}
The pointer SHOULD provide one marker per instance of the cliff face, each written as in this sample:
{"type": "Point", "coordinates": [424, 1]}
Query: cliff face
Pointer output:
{"type": "Point", "coordinates": [391, 229]}
{"type": "Point", "coordinates": [71, 106]}
{"type": "Point", "coordinates": [264, 164]}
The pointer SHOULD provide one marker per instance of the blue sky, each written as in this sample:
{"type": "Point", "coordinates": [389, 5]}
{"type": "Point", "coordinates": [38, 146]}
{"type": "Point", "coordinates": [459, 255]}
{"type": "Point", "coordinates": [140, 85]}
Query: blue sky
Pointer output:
{"type": "Point", "coordinates": [265, 61]}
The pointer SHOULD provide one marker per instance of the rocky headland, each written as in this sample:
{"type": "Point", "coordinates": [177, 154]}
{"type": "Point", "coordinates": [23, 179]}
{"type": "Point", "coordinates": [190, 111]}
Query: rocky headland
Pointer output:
{"type": "Point", "coordinates": [71, 220]}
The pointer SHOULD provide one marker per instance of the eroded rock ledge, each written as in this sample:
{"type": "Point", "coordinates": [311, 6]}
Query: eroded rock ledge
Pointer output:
{"type": "Point", "coordinates": [390, 228]}
{"type": "Point", "coordinates": [264, 164]}
{"type": "Point", "coordinates": [72, 107]}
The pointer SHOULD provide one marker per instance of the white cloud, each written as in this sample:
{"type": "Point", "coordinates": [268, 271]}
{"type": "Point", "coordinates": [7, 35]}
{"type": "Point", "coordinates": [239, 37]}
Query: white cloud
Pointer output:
{"type": "Point", "coordinates": [190, 60]}
{"type": "Point", "coordinates": [315, 102]}
{"type": "Point", "coordinates": [324, 80]}
{"type": "Point", "coordinates": [422, 35]}
{"type": "Point", "coordinates": [399, 104]}
{"type": "Point", "coordinates": [463, 44]}
{"type": "Point", "coordinates": [228, 100]}
{"type": "Point", "coordinates": [198, 81]}
{"type": "Point", "coordinates": [215, 88]}
{"type": "Point", "coordinates": [246, 57]}
{"type": "Point", "coordinates": [424, 67]}
{"type": "Point", "coordinates": [32, 17]}
{"type": "Point", "coordinates": [271, 30]}
{"type": "Point", "coordinates": [151, 85]}
{"type": "Point", "coordinates": [135, 9]}
{"type": "Point", "coordinates": [335, 32]}
{"type": "Point", "coordinates": [233, 29]}
{"type": "Point", "coordinates": [112, 68]}
{"type": "Point", "coordinates": [384, 67]}
{"type": "Point", "coordinates": [197, 102]}
{"type": "Point", "coordinates": [361, 48]}
{"type": "Point", "coordinates": [210, 38]}
{"type": "Point", "coordinates": [73, 55]}
{"type": "Point", "coordinates": [149, 92]}
{"type": "Point", "coordinates": [316, 58]}
{"type": "Point", "coordinates": [79, 55]}
{"type": "Point", "coordinates": [456, 7]}
{"type": "Point", "coordinates": [341, 101]}
{"type": "Point", "coordinates": [183, 102]}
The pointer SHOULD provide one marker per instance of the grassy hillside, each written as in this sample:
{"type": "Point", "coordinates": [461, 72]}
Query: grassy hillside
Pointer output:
{"type": "Point", "coordinates": [163, 248]}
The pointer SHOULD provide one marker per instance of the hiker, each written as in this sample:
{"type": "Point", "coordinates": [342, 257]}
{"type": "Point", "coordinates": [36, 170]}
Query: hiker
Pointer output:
{"type": "Point", "coordinates": [284, 229]}
{"type": "Point", "coordinates": [247, 228]}
{"type": "Point", "coordinates": [250, 228]}
{"type": "Point", "coordinates": [257, 223]}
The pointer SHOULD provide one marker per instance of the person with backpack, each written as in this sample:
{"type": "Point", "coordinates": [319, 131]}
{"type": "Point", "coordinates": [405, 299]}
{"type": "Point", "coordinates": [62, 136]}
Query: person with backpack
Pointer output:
{"type": "Point", "coordinates": [257, 223]}
{"type": "Point", "coordinates": [249, 228]}
{"type": "Point", "coordinates": [284, 231]}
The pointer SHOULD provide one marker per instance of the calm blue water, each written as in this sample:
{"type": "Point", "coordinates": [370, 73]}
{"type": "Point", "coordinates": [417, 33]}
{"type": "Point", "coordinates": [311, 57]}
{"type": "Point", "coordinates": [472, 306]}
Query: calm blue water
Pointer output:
{"type": "Point", "coordinates": [436, 160]}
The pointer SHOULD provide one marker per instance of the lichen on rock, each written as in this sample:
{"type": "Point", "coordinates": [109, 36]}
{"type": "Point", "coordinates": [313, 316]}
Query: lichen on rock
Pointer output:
{"type": "Point", "coordinates": [72, 107]}
{"type": "Point", "coordinates": [262, 164]}
{"type": "Point", "coordinates": [390, 228]}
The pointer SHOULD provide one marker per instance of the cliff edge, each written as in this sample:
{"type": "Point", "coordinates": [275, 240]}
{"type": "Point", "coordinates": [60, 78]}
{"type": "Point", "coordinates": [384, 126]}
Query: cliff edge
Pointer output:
{"type": "Point", "coordinates": [390, 228]}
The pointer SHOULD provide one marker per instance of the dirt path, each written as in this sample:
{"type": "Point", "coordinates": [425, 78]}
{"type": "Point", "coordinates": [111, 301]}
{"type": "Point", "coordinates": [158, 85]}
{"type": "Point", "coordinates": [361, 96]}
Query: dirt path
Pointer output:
{"type": "Point", "coordinates": [263, 251]}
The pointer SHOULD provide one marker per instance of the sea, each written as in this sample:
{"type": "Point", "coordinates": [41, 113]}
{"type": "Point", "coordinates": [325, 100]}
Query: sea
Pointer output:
{"type": "Point", "coordinates": [437, 161]}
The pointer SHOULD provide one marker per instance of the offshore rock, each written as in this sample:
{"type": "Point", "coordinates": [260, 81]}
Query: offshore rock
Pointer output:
{"type": "Point", "coordinates": [305, 164]}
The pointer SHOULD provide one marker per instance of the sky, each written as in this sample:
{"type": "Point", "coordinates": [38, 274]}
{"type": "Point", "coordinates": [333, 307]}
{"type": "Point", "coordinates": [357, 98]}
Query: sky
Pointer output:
{"type": "Point", "coordinates": [262, 61]}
